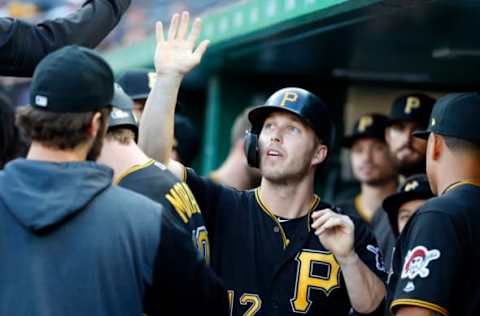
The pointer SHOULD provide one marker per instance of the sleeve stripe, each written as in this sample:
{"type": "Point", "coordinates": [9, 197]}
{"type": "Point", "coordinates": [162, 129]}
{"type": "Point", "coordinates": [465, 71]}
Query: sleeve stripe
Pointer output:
{"type": "Point", "coordinates": [412, 302]}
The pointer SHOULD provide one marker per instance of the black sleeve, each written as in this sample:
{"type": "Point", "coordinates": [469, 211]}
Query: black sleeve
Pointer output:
{"type": "Point", "coordinates": [367, 248]}
{"type": "Point", "coordinates": [207, 193]}
{"type": "Point", "coordinates": [182, 283]}
{"type": "Point", "coordinates": [431, 262]}
{"type": "Point", "coordinates": [23, 45]}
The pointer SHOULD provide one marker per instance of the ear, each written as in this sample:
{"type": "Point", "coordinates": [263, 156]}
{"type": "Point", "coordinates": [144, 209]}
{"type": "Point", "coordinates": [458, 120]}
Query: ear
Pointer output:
{"type": "Point", "coordinates": [437, 146]}
{"type": "Point", "coordinates": [95, 124]}
{"type": "Point", "coordinates": [320, 154]}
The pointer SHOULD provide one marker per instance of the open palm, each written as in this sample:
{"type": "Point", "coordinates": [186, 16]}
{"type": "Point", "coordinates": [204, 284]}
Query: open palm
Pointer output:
{"type": "Point", "coordinates": [177, 53]}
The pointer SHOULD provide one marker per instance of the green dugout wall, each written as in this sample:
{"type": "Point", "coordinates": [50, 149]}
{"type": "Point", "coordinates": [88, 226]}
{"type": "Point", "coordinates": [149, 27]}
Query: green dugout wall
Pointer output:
{"type": "Point", "coordinates": [327, 46]}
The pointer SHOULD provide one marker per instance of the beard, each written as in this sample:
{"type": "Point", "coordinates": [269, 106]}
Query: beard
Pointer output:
{"type": "Point", "coordinates": [408, 167]}
{"type": "Point", "coordinates": [286, 174]}
{"type": "Point", "coordinates": [97, 144]}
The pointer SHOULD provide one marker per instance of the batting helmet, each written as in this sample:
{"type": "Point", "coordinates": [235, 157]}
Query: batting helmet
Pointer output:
{"type": "Point", "coordinates": [121, 114]}
{"type": "Point", "coordinates": [302, 103]}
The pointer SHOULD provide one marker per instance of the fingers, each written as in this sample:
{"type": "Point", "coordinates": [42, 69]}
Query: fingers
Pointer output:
{"type": "Point", "coordinates": [172, 30]}
{"type": "Point", "coordinates": [159, 32]}
{"type": "Point", "coordinates": [327, 219]}
{"type": "Point", "coordinates": [201, 49]}
{"type": "Point", "coordinates": [195, 33]}
{"type": "Point", "coordinates": [330, 223]}
{"type": "Point", "coordinates": [182, 30]}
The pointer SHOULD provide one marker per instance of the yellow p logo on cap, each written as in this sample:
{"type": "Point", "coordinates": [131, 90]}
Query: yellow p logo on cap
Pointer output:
{"type": "Point", "coordinates": [412, 103]}
{"type": "Point", "coordinates": [365, 121]}
{"type": "Point", "coordinates": [289, 97]}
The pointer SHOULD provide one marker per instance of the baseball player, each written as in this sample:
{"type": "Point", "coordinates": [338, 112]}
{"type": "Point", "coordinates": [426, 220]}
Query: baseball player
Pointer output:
{"type": "Point", "coordinates": [73, 244]}
{"type": "Point", "coordinates": [409, 197]}
{"type": "Point", "coordinates": [435, 266]}
{"type": "Point", "coordinates": [278, 248]}
{"type": "Point", "coordinates": [139, 173]}
{"type": "Point", "coordinates": [409, 112]}
{"type": "Point", "coordinates": [373, 166]}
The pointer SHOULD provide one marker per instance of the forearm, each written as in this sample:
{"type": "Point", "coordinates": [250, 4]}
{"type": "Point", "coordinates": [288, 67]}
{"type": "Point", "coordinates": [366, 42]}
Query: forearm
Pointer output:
{"type": "Point", "coordinates": [157, 123]}
{"type": "Point", "coordinates": [365, 289]}
{"type": "Point", "coordinates": [25, 45]}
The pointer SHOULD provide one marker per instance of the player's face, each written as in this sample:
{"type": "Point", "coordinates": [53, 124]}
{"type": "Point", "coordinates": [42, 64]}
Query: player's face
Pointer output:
{"type": "Point", "coordinates": [371, 161]}
{"type": "Point", "coordinates": [287, 147]}
{"type": "Point", "coordinates": [406, 211]}
{"type": "Point", "coordinates": [408, 151]}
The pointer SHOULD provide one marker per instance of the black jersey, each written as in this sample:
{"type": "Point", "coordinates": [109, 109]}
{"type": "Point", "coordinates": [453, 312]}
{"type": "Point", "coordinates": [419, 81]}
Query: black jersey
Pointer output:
{"type": "Point", "coordinates": [274, 268]}
{"type": "Point", "coordinates": [435, 264]}
{"type": "Point", "coordinates": [156, 182]}
{"type": "Point", "coordinates": [379, 225]}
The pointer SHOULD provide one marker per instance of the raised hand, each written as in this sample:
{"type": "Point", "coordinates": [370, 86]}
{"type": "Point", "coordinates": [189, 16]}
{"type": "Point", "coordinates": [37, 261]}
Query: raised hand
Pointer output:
{"type": "Point", "coordinates": [335, 231]}
{"type": "Point", "coordinates": [177, 54]}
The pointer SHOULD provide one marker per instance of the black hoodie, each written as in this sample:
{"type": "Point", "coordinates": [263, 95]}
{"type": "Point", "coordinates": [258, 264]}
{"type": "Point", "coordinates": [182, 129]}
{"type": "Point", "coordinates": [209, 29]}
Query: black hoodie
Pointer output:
{"type": "Point", "coordinates": [73, 244]}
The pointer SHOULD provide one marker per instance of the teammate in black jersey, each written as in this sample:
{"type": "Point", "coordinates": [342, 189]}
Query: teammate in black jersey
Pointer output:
{"type": "Point", "coordinates": [135, 171]}
{"type": "Point", "coordinates": [435, 267]}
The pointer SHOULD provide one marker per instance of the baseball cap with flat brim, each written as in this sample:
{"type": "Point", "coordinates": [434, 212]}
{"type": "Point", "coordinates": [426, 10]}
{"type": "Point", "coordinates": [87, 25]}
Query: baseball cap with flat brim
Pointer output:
{"type": "Point", "coordinates": [455, 115]}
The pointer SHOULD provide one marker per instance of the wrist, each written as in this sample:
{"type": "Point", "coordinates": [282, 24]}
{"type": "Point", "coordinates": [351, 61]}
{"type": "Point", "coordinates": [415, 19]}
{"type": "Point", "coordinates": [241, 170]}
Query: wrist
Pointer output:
{"type": "Point", "coordinates": [348, 259]}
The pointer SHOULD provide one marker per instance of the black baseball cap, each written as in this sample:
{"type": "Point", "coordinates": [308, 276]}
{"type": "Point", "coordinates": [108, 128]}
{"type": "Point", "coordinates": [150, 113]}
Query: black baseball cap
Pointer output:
{"type": "Point", "coordinates": [72, 79]}
{"type": "Point", "coordinates": [367, 126]}
{"type": "Point", "coordinates": [137, 83]}
{"type": "Point", "coordinates": [187, 142]}
{"type": "Point", "coordinates": [413, 107]}
{"type": "Point", "coordinates": [415, 187]}
{"type": "Point", "coordinates": [455, 115]}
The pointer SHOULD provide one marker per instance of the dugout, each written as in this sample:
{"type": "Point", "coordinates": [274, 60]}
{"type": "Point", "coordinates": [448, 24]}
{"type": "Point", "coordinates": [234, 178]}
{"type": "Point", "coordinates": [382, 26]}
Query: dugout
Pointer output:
{"type": "Point", "coordinates": [356, 54]}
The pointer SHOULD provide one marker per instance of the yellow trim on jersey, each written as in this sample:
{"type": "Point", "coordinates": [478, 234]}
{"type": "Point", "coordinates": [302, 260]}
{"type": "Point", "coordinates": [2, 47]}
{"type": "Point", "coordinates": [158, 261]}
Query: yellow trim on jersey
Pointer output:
{"type": "Point", "coordinates": [315, 202]}
{"type": "Point", "coordinates": [360, 210]}
{"type": "Point", "coordinates": [132, 169]}
{"type": "Point", "coordinates": [273, 217]}
{"type": "Point", "coordinates": [419, 303]}
{"type": "Point", "coordinates": [474, 182]}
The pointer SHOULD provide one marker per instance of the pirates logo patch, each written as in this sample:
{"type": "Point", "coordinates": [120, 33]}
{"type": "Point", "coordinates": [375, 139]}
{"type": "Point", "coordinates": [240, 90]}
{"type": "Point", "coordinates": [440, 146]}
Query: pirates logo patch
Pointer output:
{"type": "Point", "coordinates": [416, 262]}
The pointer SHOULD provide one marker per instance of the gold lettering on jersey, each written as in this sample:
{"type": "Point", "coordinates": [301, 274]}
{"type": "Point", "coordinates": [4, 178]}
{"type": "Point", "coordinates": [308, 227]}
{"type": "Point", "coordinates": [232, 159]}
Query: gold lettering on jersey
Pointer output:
{"type": "Point", "coordinates": [289, 97]}
{"type": "Point", "coordinates": [412, 103]}
{"type": "Point", "coordinates": [411, 186]}
{"type": "Point", "coordinates": [254, 300]}
{"type": "Point", "coordinates": [152, 78]}
{"type": "Point", "coordinates": [364, 123]}
{"type": "Point", "coordinates": [306, 280]}
{"type": "Point", "coordinates": [183, 201]}
{"type": "Point", "coordinates": [231, 296]}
